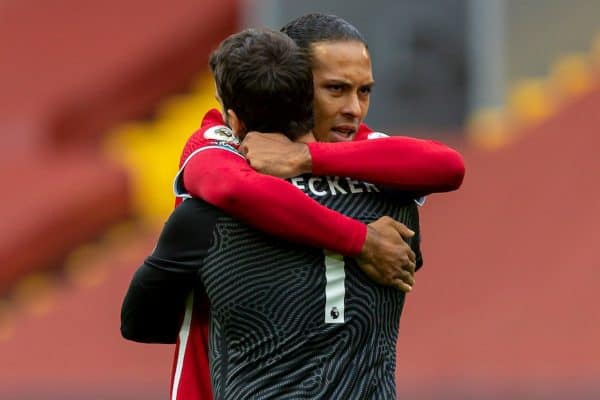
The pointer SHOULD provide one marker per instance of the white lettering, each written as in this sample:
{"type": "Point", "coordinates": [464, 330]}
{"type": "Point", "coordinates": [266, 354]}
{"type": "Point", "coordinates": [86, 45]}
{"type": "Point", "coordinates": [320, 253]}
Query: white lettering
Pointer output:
{"type": "Point", "coordinates": [312, 188]}
{"type": "Point", "coordinates": [352, 184]}
{"type": "Point", "coordinates": [298, 182]}
{"type": "Point", "coordinates": [370, 186]}
{"type": "Point", "coordinates": [333, 184]}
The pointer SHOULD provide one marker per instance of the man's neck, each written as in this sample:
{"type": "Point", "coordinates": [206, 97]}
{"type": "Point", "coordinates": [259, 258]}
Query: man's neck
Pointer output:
{"type": "Point", "coordinates": [306, 138]}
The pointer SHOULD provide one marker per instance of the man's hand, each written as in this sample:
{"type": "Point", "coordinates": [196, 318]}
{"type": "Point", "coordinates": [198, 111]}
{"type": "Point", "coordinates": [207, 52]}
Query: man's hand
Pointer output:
{"type": "Point", "coordinates": [274, 154]}
{"type": "Point", "coordinates": [386, 258]}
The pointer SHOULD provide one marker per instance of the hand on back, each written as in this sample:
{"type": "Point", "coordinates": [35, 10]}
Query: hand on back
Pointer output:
{"type": "Point", "coordinates": [386, 258]}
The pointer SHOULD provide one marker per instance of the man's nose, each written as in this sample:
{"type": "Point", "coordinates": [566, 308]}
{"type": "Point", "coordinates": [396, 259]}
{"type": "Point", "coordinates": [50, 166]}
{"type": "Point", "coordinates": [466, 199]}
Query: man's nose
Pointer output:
{"type": "Point", "coordinates": [352, 106]}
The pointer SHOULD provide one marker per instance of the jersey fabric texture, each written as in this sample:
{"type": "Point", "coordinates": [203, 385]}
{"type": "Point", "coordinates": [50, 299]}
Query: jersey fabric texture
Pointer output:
{"type": "Point", "coordinates": [269, 332]}
{"type": "Point", "coordinates": [190, 377]}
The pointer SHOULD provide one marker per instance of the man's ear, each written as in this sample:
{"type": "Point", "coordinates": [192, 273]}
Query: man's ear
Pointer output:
{"type": "Point", "coordinates": [236, 125]}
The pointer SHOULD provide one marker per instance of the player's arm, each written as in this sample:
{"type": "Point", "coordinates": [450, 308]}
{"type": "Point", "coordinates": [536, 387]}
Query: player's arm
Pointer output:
{"type": "Point", "coordinates": [398, 162]}
{"type": "Point", "coordinates": [153, 307]}
{"type": "Point", "coordinates": [405, 163]}
{"type": "Point", "coordinates": [273, 205]}
{"type": "Point", "coordinates": [213, 170]}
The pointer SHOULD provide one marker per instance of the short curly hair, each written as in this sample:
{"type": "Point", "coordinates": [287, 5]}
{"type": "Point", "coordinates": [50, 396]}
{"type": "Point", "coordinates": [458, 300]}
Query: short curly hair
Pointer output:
{"type": "Point", "coordinates": [317, 27]}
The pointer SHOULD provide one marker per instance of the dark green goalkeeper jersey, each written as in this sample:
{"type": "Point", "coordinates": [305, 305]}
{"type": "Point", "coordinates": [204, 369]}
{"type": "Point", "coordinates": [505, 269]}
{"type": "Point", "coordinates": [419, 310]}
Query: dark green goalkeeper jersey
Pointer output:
{"type": "Point", "coordinates": [290, 321]}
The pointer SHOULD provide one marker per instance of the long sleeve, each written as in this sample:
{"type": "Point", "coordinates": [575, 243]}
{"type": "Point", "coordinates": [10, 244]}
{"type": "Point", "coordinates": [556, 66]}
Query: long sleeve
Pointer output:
{"type": "Point", "coordinates": [405, 163]}
{"type": "Point", "coordinates": [155, 301]}
{"type": "Point", "coordinates": [270, 204]}
{"type": "Point", "coordinates": [153, 306]}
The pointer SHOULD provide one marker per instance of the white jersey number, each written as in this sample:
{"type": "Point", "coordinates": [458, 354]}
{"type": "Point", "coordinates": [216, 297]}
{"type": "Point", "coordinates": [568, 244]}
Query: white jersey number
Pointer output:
{"type": "Point", "coordinates": [335, 289]}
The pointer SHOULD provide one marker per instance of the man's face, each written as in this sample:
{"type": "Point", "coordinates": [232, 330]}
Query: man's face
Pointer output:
{"type": "Point", "coordinates": [343, 79]}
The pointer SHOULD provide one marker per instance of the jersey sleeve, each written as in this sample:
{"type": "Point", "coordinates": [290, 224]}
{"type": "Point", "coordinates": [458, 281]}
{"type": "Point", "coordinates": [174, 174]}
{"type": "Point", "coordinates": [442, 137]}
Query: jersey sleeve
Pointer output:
{"type": "Point", "coordinates": [154, 304]}
{"type": "Point", "coordinates": [270, 204]}
{"type": "Point", "coordinates": [399, 162]}
{"type": "Point", "coordinates": [212, 169]}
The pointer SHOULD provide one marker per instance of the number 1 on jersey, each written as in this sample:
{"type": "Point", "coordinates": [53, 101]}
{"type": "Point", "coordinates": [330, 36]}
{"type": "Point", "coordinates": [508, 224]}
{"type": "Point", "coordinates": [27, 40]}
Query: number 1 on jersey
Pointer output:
{"type": "Point", "coordinates": [335, 289]}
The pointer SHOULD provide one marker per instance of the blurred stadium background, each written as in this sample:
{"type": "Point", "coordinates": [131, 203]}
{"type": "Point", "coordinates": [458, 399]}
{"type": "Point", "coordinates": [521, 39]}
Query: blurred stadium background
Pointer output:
{"type": "Point", "coordinates": [97, 99]}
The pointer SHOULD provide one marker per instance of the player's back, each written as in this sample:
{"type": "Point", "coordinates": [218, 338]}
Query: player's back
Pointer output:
{"type": "Point", "coordinates": [289, 321]}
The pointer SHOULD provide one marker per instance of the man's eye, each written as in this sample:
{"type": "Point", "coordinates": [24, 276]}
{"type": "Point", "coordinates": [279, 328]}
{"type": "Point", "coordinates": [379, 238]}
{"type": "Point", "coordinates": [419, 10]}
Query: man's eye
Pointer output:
{"type": "Point", "coordinates": [335, 88]}
{"type": "Point", "coordinates": [365, 90]}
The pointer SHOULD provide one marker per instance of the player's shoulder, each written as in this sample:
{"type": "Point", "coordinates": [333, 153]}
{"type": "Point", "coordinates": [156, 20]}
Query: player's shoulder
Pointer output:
{"type": "Point", "coordinates": [213, 133]}
{"type": "Point", "coordinates": [366, 133]}
{"type": "Point", "coordinates": [192, 208]}
{"type": "Point", "coordinates": [192, 217]}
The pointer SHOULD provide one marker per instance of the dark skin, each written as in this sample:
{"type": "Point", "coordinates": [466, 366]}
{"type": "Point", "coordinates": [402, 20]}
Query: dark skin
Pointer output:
{"type": "Point", "coordinates": [386, 258]}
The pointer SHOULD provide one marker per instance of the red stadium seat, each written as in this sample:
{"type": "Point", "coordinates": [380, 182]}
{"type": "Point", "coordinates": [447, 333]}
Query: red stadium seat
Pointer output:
{"type": "Point", "coordinates": [52, 204]}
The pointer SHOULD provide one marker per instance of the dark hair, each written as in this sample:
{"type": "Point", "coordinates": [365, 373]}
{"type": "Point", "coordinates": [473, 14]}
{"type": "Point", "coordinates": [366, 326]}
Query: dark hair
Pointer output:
{"type": "Point", "coordinates": [266, 79]}
{"type": "Point", "coordinates": [317, 27]}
